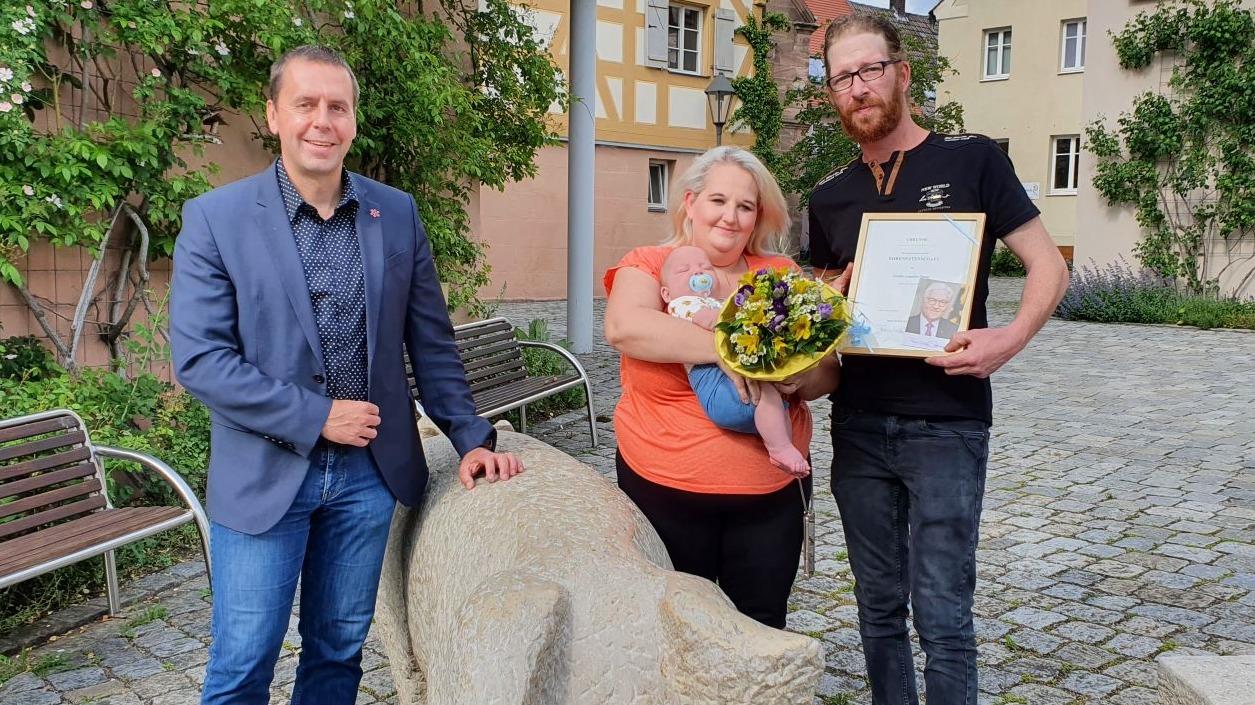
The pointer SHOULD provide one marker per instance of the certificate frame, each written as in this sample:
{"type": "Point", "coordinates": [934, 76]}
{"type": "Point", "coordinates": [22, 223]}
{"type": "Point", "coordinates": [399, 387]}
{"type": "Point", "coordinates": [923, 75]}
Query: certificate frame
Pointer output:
{"type": "Point", "coordinates": [906, 267]}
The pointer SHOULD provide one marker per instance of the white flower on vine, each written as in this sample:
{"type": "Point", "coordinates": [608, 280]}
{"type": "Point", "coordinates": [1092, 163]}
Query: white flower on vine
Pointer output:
{"type": "Point", "coordinates": [156, 72]}
{"type": "Point", "coordinates": [193, 52]}
{"type": "Point", "coordinates": [26, 86]}
{"type": "Point", "coordinates": [17, 98]}
{"type": "Point", "coordinates": [348, 15]}
{"type": "Point", "coordinates": [86, 4]}
{"type": "Point", "coordinates": [24, 27]}
{"type": "Point", "coordinates": [5, 106]}
{"type": "Point", "coordinates": [298, 21]}
{"type": "Point", "coordinates": [54, 200]}
{"type": "Point", "coordinates": [6, 74]}
{"type": "Point", "coordinates": [221, 49]}
{"type": "Point", "coordinates": [30, 10]}
{"type": "Point", "coordinates": [28, 190]}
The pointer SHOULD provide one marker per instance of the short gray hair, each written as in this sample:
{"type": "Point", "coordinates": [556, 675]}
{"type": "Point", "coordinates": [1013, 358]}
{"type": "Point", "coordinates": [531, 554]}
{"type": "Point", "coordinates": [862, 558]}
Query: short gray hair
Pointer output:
{"type": "Point", "coordinates": [309, 52]}
{"type": "Point", "coordinates": [942, 287]}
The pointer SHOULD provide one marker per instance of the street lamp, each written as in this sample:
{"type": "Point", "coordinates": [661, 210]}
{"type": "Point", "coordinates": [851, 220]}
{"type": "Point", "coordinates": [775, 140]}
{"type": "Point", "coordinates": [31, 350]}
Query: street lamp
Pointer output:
{"type": "Point", "coordinates": [719, 97]}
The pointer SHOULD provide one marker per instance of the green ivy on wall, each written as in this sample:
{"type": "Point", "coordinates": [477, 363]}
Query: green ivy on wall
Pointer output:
{"type": "Point", "coordinates": [1184, 159]}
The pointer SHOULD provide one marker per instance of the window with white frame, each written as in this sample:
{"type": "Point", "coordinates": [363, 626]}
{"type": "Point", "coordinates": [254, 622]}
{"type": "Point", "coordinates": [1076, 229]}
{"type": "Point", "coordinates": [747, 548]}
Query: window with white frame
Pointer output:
{"type": "Point", "coordinates": [1067, 160]}
{"type": "Point", "coordinates": [1072, 48]}
{"type": "Point", "coordinates": [998, 53]}
{"type": "Point", "coordinates": [659, 172]}
{"type": "Point", "coordinates": [684, 38]}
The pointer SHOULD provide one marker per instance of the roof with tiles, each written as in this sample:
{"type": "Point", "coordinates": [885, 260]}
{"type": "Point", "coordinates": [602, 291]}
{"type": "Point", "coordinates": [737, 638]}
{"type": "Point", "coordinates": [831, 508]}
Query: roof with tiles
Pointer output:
{"type": "Point", "coordinates": [825, 11]}
{"type": "Point", "coordinates": [922, 27]}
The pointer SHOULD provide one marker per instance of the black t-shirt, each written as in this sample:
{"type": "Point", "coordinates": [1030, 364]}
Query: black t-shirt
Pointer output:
{"type": "Point", "coordinates": [955, 173]}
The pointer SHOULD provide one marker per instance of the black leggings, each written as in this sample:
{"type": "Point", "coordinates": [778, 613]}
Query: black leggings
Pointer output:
{"type": "Point", "coordinates": [747, 543]}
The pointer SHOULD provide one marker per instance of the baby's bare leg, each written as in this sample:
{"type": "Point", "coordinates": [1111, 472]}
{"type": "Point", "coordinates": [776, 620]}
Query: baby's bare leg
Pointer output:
{"type": "Point", "coordinates": [772, 421]}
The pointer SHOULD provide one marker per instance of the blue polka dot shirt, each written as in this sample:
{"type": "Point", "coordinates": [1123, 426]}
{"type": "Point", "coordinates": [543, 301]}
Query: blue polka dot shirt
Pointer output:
{"type": "Point", "coordinates": [332, 260]}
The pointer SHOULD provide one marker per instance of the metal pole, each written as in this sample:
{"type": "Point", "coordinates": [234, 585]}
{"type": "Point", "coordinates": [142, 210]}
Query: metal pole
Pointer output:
{"type": "Point", "coordinates": [581, 163]}
{"type": "Point", "coordinates": [718, 134]}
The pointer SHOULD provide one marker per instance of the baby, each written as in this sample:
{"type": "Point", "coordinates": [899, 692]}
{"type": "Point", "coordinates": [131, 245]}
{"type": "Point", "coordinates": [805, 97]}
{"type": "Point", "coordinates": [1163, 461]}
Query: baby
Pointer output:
{"type": "Point", "coordinates": [688, 281]}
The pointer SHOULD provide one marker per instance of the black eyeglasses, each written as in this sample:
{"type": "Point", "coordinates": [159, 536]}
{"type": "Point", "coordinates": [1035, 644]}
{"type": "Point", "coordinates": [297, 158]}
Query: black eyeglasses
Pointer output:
{"type": "Point", "coordinates": [844, 81]}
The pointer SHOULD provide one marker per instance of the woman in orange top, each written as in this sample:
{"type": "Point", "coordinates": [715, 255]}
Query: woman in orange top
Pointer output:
{"type": "Point", "coordinates": [722, 509]}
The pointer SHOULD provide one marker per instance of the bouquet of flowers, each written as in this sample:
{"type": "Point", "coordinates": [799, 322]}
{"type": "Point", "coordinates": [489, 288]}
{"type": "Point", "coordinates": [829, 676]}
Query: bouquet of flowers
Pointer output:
{"type": "Point", "coordinates": [779, 323]}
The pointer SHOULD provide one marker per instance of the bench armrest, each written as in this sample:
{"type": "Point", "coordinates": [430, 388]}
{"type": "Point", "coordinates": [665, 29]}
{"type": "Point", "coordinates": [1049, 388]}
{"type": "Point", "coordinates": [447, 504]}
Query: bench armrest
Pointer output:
{"type": "Point", "coordinates": [559, 350]}
{"type": "Point", "coordinates": [167, 473]}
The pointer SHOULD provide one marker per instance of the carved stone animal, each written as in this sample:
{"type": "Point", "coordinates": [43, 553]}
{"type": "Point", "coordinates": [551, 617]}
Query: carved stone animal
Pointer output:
{"type": "Point", "coordinates": [553, 589]}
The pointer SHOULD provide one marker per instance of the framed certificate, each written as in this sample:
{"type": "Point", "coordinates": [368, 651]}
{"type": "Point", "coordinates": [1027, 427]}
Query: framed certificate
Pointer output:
{"type": "Point", "coordinates": [912, 283]}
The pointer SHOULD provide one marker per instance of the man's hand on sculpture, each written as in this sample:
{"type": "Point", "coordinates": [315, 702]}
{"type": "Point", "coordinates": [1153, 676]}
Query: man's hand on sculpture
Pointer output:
{"type": "Point", "coordinates": [351, 423]}
{"type": "Point", "coordinates": [979, 352]}
{"type": "Point", "coordinates": [493, 466]}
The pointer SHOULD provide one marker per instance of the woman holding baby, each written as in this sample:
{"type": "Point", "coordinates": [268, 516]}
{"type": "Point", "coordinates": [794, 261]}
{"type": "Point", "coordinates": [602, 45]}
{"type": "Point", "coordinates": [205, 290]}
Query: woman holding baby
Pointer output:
{"type": "Point", "coordinates": [725, 502]}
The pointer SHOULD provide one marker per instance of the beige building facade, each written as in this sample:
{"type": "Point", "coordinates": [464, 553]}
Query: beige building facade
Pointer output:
{"type": "Point", "coordinates": [1021, 69]}
{"type": "Point", "coordinates": [1108, 233]}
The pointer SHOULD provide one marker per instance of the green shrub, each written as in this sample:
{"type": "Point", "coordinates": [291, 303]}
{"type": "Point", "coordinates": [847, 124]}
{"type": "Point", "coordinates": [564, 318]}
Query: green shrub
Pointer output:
{"type": "Point", "coordinates": [1116, 294]}
{"type": "Point", "coordinates": [25, 358]}
{"type": "Point", "coordinates": [145, 414]}
{"type": "Point", "coordinates": [543, 363]}
{"type": "Point", "coordinates": [1005, 263]}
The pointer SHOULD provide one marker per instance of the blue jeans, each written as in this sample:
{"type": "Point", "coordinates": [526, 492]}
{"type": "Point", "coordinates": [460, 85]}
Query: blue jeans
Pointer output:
{"type": "Point", "coordinates": [339, 521]}
{"type": "Point", "coordinates": [909, 491]}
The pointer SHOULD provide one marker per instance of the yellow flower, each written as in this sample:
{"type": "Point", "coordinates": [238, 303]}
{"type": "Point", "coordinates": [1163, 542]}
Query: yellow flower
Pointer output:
{"type": "Point", "coordinates": [748, 340]}
{"type": "Point", "coordinates": [778, 345]}
{"type": "Point", "coordinates": [801, 328]}
{"type": "Point", "coordinates": [756, 316]}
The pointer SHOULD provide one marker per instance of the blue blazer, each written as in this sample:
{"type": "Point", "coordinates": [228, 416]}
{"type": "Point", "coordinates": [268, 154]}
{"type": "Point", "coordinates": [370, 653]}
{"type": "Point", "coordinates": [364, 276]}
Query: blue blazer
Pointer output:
{"type": "Point", "coordinates": [245, 343]}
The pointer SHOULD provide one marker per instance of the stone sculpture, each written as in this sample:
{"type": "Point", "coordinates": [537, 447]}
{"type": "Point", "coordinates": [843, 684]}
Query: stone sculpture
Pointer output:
{"type": "Point", "coordinates": [553, 589]}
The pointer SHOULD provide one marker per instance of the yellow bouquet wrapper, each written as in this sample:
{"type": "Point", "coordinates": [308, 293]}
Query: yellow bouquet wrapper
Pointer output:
{"type": "Point", "coordinates": [792, 366]}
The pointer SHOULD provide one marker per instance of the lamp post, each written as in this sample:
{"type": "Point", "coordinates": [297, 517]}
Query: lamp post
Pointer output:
{"type": "Point", "coordinates": [719, 97]}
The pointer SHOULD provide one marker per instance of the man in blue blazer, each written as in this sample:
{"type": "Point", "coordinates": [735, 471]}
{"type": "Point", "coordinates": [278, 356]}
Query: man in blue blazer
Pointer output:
{"type": "Point", "coordinates": [294, 292]}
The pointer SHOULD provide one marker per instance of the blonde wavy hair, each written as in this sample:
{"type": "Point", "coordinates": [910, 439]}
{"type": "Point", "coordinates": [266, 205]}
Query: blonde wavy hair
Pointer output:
{"type": "Point", "coordinates": [772, 226]}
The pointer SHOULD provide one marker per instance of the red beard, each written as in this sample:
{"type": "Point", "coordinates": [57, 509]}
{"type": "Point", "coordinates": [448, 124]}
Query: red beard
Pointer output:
{"type": "Point", "coordinates": [877, 124]}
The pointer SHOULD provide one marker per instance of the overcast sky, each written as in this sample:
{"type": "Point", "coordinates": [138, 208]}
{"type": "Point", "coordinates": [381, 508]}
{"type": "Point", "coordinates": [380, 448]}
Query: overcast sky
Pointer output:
{"type": "Point", "coordinates": [918, 7]}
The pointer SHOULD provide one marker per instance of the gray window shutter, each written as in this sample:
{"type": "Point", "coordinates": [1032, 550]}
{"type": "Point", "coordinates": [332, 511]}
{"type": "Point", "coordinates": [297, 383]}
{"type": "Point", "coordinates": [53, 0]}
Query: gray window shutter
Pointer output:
{"type": "Point", "coordinates": [656, 33]}
{"type": "Point", "coordinates": [725, 26]}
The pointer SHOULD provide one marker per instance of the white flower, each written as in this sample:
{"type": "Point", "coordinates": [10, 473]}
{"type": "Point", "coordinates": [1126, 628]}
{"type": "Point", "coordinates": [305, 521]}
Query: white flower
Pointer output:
{"type": "Point", "coordinates": [11, 356]}
{"type": "Point", "coordinates": [30, 10]}
{"type": "Point", "coordinates": [28, 190]}
{"type": "Point", "coordinates": [20, 27]}
{"type": "Point", "coordinates": [132, 25]}
{"type": "Point", "coordinates": [54, 200]}
{"type": "Point", "coordinates": [348, 15]}
{"type": "Point", "coordinates": [6, 74]}
{"type": "Point", "coordinates": [5, 106]}
{"type": "Point", "coordinates": [26, 86]}
{"type": "Point", "coordinates": [86, 4]}
{"type": "Point", "coordinates": [17, 98]}
{"type": "Point", "coordinates": [193, 52]}
{"type": "Point", "coordinates": [156, 72]}
{"type": "Point", "coordinates": [221, 49]}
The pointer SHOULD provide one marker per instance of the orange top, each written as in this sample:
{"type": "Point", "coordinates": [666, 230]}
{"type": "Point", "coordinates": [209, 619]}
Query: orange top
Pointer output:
{"type": "Point", "coordinates": [665, 435]}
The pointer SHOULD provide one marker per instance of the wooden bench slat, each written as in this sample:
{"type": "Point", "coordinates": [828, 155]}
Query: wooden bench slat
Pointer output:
{"type": "Point", "coordinates": [46, 462]}
{"type": "Point", "coordinates": [504, 356]}
{"type": "Point", "coordinates": [64, 539]}
{"type": "Point", "coordinates": [470, 330]}
{"type": "Point", "coordinates": [498, 381]}
{"type": "Point", "coordinates": [489, 347]}
{"type": "Point", "coordinates": [37, 428]}
{"type": "Point", "coordinates": [48, 499]}
{"type": "Point", "coordinates": [47, 479]}
{"type": "Point", "coordinates": [504, 367]}
{"type": "Point", "coordinates": [43, 445]}
{"type": "Point", "coordinates": [47, 517]}
{"type": "Point", "coordinates": [534, 385]}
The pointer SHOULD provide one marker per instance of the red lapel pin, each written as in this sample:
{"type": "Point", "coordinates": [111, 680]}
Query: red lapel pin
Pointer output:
{"type": "Point", "coordinates": [374, 212]}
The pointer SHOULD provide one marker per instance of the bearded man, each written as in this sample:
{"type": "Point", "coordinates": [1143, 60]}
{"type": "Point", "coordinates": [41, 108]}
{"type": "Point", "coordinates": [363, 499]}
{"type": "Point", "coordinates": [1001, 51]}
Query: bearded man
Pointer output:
{"type": "Point", "coordinates": [910, 437]}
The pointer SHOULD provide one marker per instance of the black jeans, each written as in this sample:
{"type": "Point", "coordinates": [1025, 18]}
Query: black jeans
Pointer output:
{"type": "Point", "coordinates": [909, 490]}
{"type": "Point", "coordinates": [747, 543]}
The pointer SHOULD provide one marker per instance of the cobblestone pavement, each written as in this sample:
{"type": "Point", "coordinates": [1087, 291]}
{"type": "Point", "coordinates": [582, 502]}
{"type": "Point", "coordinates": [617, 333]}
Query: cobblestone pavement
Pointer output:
{"type": "Point", "coordinates": [1119, 524]}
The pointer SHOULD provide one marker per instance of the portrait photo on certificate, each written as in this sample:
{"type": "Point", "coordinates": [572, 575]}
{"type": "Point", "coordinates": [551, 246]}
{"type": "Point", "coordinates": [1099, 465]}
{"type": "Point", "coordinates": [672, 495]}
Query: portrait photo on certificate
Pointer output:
{"type": "Point", "coordinates": [911, 288]}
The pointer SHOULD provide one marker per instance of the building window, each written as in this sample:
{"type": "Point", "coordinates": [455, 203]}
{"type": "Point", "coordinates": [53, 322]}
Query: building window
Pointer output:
{"type": "Point", "coordinates": [658, 177]}
{"type": "Point", "coordinates": [1004, 144]}
{"type": "Point", "coordinates": [1067, 159]}
{"type": "Point", "coordinates": [1073, 46]}
{"type": "Point", "coordinates": [684, 38]}
{"type": "Point", "coordinates": [998, 53]}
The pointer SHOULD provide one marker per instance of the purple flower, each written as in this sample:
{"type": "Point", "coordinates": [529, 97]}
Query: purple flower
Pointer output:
{"type": "Point", "coordinates": [762, 272]}
{"type": "Point", "coordinates": [740, 298]}
{"type": "Point", "coordinates": [778, 322]}
{"type": "Point", "coordinates": [824, 311]}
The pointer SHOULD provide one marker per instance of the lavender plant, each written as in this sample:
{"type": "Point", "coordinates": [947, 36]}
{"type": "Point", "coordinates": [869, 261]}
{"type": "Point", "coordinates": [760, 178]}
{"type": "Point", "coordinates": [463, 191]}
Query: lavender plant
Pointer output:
{"type": "Point", "coordinates": [1115, 293]}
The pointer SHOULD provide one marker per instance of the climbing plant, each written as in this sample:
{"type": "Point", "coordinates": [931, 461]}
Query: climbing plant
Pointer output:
{"type": "Point", "coordinates": [109, 112]}
{"type": "Point", "coordinates": [1184, 158]}
{"type": "Point", "coordinates": [761, 108]}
